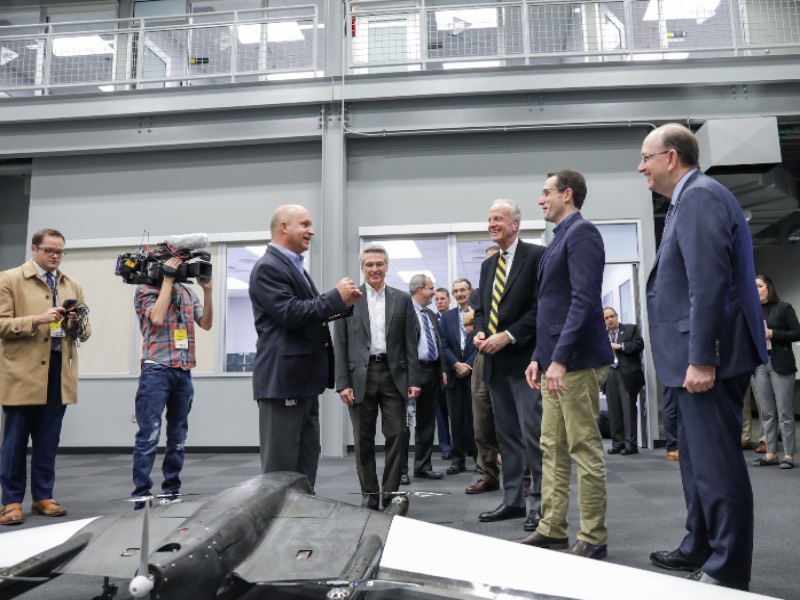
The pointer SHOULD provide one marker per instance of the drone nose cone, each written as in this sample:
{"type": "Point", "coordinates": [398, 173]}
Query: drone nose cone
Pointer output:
{"type": "Point", "coordinates": [397, 507]}
{"type": "Point", "coordinates": [141, 586]}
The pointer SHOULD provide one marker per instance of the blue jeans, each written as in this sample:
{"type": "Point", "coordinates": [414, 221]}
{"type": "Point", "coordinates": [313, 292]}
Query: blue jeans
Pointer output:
{"type": "Point", "coordinates": [161, 387]}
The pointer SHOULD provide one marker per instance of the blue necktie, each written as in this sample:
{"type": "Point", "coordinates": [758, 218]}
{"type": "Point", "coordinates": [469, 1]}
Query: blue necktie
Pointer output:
{"type": "Point", "coordinates": [55, 343]}
{"type": "Point", "coordinates": [429, 336]}
{"type": "Point", "coordinates": [464, 333]}
{"type": "Point", "coordinates": [669, 215]}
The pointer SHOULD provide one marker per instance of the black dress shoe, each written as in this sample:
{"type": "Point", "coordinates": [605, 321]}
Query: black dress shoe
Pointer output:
{"type": "Point", "coordinates": [674, 560]}
{"type": "Point", "coordinates": [587, 550]}
{"type": "Point", "coordinates": [429, 475]}
{"type": "Point", "coordinates": [614, 450]}
{"type": "Point", "coordinates": [456, 469]}
{"type": "Point", "coordinates": [404, 479]}
{"type": "Point", "coordinates": [542, 541]}
{"type": "Point", "coordinates": [479, 487]}
{"type": "Point", "coordinates": [532, 522]}
{"type": "Point", "coordinates": [502, 513]}
{"type": "Point", "coordinates": [627, 451]}
{"type": "Point", "coordinates": [446, 455]}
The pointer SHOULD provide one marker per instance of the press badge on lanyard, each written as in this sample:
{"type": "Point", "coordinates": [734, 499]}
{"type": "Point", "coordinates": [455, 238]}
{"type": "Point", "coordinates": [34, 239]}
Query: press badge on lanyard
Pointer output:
{"type": "Point", "coordinates": [56, 329]}
{"type": "Point", "coordinates": [181, 338]}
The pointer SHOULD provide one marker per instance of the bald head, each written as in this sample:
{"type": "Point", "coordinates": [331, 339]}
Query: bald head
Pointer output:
{"type": "Point", "coordinates": [291, 227]}
{"type": "Point", "coordinates": [674, 136]}
{"type": "Point", "coordinates": [284, 214]}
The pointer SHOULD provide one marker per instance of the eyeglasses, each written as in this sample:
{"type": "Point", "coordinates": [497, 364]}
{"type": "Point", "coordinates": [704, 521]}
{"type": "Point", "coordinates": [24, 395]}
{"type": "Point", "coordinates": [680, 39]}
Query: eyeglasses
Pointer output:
{"type": "Point", "coordinates": [52, 251]}
{"type": "Point", "coordinates": [607, 317]}
{"type": "Point", "coordinates": [547, 191]}
{"type": "Point", "coordinates": [646, 157]}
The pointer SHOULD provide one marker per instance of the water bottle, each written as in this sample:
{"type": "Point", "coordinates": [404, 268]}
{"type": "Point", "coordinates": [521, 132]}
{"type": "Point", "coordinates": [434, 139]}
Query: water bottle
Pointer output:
{"type": "Point", "coordinates": [411, 413]}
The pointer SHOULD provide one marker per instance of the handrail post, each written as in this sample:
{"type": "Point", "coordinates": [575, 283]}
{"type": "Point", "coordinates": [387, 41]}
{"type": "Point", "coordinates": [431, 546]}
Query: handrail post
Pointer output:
{"type": "Point", "coordinates": [630, 38]}
{"type": "Point", "coordinates": [526, 34]}
{"type": "Point", "coordinates": [140, 48]}
{"type": "Point", "coordinates": [48, 61]}
{"type": "Point", "coordinates": [733, 17]}
{"type": "Point", "coordinates": [423, 35]}
{"type": "Point", "coordinates": [234, 46]}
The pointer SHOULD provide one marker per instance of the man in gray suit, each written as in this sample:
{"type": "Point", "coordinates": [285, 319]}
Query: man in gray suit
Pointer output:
{"type": "Point", "coordinates": [377, 368]}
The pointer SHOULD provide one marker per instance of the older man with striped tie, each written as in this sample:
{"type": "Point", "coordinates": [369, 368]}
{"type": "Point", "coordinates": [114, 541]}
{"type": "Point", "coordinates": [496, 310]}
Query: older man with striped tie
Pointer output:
{"type": "Point", "coordinates": [505, 333]}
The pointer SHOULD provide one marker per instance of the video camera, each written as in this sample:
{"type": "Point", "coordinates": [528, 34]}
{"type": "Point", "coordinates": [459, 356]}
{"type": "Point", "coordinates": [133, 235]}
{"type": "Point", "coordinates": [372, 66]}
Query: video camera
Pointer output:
{"type": "Point", "coordinates": [146, 264]}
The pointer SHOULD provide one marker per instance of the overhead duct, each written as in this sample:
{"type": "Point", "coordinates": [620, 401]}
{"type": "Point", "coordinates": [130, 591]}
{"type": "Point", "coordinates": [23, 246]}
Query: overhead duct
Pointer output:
{"type": "Point", "coordinates": [745, 156]}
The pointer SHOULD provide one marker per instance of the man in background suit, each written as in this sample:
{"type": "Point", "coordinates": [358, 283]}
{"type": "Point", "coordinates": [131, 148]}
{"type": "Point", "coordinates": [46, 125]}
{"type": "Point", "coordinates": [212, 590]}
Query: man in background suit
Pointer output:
{"type": "Point", "coordinates": [442, 301]}
{"type": "Point", "coordinates": [377, 368]}
{"type": "Point", "coordinates": [505, 332]}
{"type": "Point", "coordinates": [431, 372]}
{"type": "Point", "coordinates": [482, 414]}
{"type": "Point", "coordinates": [707, 337]}
{"type": "Point", "coordinates": [459, 353]}
{"type": "Point", "coordinates": [294, 355]}
{"type": "Point", "coordinates": [624, 382]}
{"type": "Point", "coordinates": [569, 365]}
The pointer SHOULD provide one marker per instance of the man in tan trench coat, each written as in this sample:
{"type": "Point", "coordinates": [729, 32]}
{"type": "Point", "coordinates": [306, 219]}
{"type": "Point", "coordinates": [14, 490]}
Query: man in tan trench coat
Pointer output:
{"type": "Point", "coordinates": [38, 373]}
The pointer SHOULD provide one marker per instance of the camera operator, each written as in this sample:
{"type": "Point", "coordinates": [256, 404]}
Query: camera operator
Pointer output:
{"type": "Point", "coordinates": [167, 315]}
{"type": "Point", "coordinates": [38, 373]}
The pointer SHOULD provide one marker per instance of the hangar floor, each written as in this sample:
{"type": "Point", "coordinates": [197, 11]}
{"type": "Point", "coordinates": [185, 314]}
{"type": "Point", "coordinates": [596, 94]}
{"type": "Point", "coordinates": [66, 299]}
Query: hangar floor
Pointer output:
{"type": "Point", "coordinates": [645, 508]}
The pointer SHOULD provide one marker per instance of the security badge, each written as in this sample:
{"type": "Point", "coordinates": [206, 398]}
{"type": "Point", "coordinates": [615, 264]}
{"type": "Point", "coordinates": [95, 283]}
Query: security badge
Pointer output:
{"type": "Point", "coordinates": [56, 329]}
{"type": "Point", "coordinates": [181, 338]}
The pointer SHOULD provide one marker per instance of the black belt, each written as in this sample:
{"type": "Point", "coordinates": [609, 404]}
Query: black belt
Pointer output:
{"type": "Point", "coordinates": [428, 363]}
{"type": "Point", "coordinates": [378, 357]}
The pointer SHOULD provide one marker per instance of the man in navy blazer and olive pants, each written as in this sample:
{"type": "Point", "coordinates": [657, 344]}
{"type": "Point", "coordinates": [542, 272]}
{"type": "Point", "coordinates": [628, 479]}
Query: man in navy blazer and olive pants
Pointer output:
{"type": "Point", "coordinates": [294, 353]}
{"type": "Point", "coordinates": [707, 336]}
{"type": "Point", "coordinates": [569, 364]}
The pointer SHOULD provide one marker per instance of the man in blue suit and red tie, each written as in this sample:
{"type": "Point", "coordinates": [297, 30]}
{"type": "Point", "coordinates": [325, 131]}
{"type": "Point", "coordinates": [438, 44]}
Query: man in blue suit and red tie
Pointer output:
{"type": "Point", "coordinates": [707, 336]}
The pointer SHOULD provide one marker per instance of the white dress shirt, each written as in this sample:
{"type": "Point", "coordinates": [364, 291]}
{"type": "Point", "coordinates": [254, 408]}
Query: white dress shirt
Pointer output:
{"type": "Point", "coordinates": [376, 302]}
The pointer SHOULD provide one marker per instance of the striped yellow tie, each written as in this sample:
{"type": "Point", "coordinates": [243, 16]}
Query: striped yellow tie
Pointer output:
{"type": "Point", "coordinates": [497, 291]}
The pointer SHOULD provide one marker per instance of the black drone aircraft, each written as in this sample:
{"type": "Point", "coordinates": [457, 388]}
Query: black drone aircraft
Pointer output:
{"type": "Point", "coordinates": [270, 538]}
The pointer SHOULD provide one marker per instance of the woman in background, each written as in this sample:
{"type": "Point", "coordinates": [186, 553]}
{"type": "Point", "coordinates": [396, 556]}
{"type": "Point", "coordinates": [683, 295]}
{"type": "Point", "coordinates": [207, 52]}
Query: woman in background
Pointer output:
{"type": "Point", "coordinates": [775, 380]}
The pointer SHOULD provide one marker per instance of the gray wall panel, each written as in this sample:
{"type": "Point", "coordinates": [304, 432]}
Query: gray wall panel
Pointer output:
{"type": "Point", "coordinates": [215, 190]}
{"type": "Point", "coordinates": [14, 204]}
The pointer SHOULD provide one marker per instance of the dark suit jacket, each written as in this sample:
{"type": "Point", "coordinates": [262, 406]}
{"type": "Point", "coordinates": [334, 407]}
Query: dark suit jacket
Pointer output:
{"type": "Point", "coordinates": [570, 326]}
{"type": "Point", "coordinates": [352, 340]}
{"type": "Point", "coordinates": [437, 339]}
{"type": "Point", "coordinates": [629, 357]}
{"type": "Point", "coordinates": [785, 330]}
{"type": "Point", "coordinates": [702, 300]}
{"type": "Point", "coordinates": [451, 340]}
{"type": "Point", "coordinates": [517, 310]}
{"type": "Point", "coordinates": [294, 354]}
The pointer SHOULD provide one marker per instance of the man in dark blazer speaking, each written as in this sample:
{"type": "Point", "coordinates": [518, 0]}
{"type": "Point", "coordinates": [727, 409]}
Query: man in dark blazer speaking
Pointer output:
{"type": "Point", "coordinates": [624, 382]}
{"type": "Point", "coordinates": [294, 354]}
{"type": "Point", "coordinates": [377, 368]}
{"type": "Point", "coordinates": [505, 332]}
{"type": "Point", "coordinates": [707, 337]}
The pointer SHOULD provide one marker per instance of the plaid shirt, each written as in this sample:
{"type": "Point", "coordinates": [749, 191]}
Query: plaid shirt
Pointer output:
{"type": "Point", "coordinates": [158, 343]}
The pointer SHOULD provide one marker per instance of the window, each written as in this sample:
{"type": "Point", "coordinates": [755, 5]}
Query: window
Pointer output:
{"type": "Point", "coordinates": [240, 335]}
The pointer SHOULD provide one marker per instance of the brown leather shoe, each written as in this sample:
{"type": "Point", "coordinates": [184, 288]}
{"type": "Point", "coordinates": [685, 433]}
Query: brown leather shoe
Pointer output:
{"type": "Point", "coordinates": [762, 448]}
{"type": "Point", "coordinates": [542, 541]}
{"type": "Point", "coordinates": [672, 455]}
{"type": "Point", "coordinates": [587, 550]}
{"type": "Point", "coordinates": [747, 445]}
{"type": "Point", "coordinates": [48, 508]}
{"type": "Point", "coordinates": [484, 485]}
{"type": "Point", "coordinates": [12, 514]}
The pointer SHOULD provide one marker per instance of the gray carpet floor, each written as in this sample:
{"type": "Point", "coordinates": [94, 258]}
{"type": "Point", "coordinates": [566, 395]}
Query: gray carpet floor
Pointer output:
{"type": "Point", "coordinates": [645, 508]}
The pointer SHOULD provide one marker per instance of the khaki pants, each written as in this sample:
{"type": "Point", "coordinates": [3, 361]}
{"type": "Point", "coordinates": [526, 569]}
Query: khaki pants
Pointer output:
{"type": "Point", "coordinates": [569, 432]}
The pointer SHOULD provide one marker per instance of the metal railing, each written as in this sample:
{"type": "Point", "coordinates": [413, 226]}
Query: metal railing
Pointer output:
{"type": "Point", "coordinates": [416, 36]}
{"type": "Point", "coordinates": [381, 35]}
{"type": "Point", "coordinates": [160, 51]}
